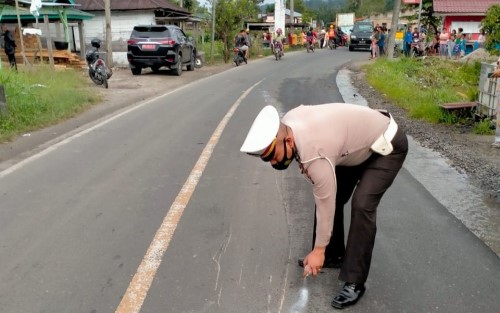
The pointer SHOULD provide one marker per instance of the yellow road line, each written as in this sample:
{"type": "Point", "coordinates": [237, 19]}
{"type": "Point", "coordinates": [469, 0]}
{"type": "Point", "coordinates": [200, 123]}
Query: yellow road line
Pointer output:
{"type": "Point", "coordinates": [138, 288]}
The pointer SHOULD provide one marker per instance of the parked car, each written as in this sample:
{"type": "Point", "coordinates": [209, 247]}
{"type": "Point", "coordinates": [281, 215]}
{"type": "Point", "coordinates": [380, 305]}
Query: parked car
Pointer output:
{"type": "Point", "coordinates": [360, 37]}
{"type": "Point", "coordinates": [156, 46]}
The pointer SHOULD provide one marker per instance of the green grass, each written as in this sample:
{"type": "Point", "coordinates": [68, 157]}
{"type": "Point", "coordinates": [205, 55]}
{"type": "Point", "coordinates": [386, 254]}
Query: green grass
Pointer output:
{"type": "Point", "coordinates": [42, 97]}
{"type": "Point", "coordinates": [484, 127]}
{"type": "Point", "coordinates": [420, 86]}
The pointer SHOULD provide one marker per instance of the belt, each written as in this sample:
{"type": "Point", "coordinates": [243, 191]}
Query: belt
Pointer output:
{"type": "Point", "coordinates": [383, 144]}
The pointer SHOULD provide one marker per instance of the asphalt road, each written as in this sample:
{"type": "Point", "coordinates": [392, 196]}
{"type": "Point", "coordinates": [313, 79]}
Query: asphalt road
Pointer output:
{"type": "Point", "coordinates": [155, 210]}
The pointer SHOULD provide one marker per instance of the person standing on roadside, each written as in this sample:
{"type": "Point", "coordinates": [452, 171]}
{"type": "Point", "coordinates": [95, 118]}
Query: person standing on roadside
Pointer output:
{"type": "Point", "coordinates": [381, 41]}
{"type": "Point", "coordinates": [451, 45]}
{"type": "Point", "coordinates": [9, 46]}
{"type": "Point", "coordinates": [481, 39]}
{"type": "Point", "coordinates": [407, 41]}
{"type": "Point", "coordinates": [444, 38]}
{"type": "Point", "coordinates": [345, 151]}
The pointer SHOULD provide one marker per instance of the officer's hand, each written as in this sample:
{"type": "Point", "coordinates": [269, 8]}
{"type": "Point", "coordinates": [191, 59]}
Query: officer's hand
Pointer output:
{"type": "Point", "coordinates": [314, 261]}
{"type": "Point", "coordinates": [496, 74]}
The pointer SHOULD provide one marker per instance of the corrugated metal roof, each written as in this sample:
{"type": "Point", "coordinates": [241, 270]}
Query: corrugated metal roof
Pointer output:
{"type": "Point", "coordinates": [8, 13]}
{"type": "Point", "coordinates": [98, 5]}
{"type": "Point", "coordinates": [463, 6]}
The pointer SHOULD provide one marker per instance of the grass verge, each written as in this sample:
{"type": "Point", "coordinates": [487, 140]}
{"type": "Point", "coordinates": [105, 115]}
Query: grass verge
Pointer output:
{"type": "Point", "coordinates": [421, 85]}
{"type": "Point", "coordinates": [41, 97]}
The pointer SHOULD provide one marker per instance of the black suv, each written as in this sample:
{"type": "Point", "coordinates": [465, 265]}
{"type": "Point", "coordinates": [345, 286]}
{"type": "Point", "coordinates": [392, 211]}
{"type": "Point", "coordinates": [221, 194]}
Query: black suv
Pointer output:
{"type": "Point", "coordinates": [361, 36]}
{"type": "Point", "coordinates": [155, 46]}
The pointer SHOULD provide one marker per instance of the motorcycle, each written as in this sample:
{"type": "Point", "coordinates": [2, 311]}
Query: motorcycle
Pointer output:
{"type": "Point", "coordinates": [344, 38]}
{"type": "Point", "coordinates": [98, 71]}
{"type": "Point", "coordinates": [417, 49]}
{"type": "Point", "coordinates": [397, 51]}
{"type": "Point", "coordinates": [332, 43]}
{"type": "Point", "coordinates": [278, 52]}
{"type": "Point", "coordinates": [239, 56]}
{"type": "Point", "coordinates": [309, 44]}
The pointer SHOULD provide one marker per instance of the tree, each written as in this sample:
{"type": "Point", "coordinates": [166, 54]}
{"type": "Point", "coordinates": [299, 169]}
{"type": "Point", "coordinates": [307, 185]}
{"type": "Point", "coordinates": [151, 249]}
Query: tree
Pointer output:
{"type": "Point", "coordinates": [368, 7]}
{"type": "Point", "coordinates": [491, 25]}
{"type": "Point", "coordinates": [427, 16]}
{"type": "Point", "coordinates": [229, 18]}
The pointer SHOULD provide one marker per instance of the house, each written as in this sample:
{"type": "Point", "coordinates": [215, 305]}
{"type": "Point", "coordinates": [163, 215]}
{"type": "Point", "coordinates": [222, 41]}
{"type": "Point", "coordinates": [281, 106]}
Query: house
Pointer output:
{"type": "Point", "coordinates": [267, 21]}
{"type": "Point", "coordinates": [58, 20]}
{"type": "Point", "coordinates": [297, 17]}
{"type": "Point", "coordinates": [385, 19]}
{"type": "Point", "coordinates": [464, 14]}
{"type": "Point", "coordinates": [125, 14]}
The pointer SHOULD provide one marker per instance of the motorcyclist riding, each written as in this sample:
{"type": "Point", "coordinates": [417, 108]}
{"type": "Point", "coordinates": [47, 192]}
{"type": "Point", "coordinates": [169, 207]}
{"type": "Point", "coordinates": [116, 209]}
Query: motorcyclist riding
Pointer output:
{"type": "Point", "coordinates": [278, 39]}
{"type": "Point", "coordinates": [311, 36]}
{"type": "Point", "coordinates": [241, 42]}
{"type": "Point", "coordinates": [332, 34]}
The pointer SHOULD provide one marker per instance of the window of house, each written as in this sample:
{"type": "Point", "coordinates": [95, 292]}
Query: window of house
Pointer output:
{"type": "Point", "coordinates": [469, 27]}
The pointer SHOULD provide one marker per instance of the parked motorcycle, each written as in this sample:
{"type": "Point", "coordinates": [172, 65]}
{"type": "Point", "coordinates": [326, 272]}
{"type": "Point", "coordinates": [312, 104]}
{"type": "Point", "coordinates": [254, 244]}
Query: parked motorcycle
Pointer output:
{"type": "Point", "coordinates": [98, 71]}
{"type": "Point", "coordinates": [239, 56]}
{"type": "Point", "coordinates": [417, 48]}
{"type": "Point", "coordinates": [278, 52]}
{"type": "Point", "coordinates": [397, 51]}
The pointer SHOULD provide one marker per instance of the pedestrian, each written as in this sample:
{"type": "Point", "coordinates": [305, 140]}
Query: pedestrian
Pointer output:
{"type": "Point", "coordinates": [249, 41]}
{"type": "Point", "coordinates": [322, 35]}
{"type": "Point", "coordinates": [381, 41]}
{"type": "Point", "coordinates": [451, 45]}
{"type": "Point", "coordinates": [481, 39]}
{"type": "Point", "coordinates": [463, 44]}
{"type": "Point", "coordinates": [9, 46]}
{"type": "Point", "coordinates": [408, 38]}
{"type": "Point", "coordinates": [374, 46]}
{"type": "Point", "coordinates": [444, 38]}
{"type": "Point", "coordinates": [344, 150]}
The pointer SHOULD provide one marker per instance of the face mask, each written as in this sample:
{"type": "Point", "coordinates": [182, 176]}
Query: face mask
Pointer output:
{"type": "Point", "coordinates": [285, 162]}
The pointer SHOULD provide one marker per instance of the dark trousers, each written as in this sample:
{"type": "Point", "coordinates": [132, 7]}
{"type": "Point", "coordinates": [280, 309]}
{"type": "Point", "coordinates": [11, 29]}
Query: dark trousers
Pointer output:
{"type": "Point", "coordinates": [12, 60]}
{"type": "Point", "coordinates": [366, 183]}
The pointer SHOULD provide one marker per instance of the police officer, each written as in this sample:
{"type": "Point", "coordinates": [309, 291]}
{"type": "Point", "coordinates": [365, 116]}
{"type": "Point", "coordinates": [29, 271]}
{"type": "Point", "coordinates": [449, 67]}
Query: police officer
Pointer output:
{"type": "Point", "coordinates": [345, 151]}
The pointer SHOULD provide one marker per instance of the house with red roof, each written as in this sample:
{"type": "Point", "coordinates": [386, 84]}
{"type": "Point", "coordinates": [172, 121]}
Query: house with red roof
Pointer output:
{"type": "Point", "coordinates": [466, 14]}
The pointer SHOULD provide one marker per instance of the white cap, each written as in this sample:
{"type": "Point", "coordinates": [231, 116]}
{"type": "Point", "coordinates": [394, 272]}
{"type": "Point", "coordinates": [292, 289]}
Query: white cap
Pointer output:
{"type": "Point", "coordinates": [263, 131]}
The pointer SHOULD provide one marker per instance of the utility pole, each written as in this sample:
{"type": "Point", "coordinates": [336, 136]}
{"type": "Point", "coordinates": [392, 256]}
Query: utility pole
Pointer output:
{"type": "Point", "coordinates": [394, 28]}
{"type": "Point", "coordinates": [212, 37]}
{"type": "Point", "coordinates": [292, 18]}
{"type": "Point", "coordinates": [109, 36]}
{"type": "Point", "coordinates": [419, 13]}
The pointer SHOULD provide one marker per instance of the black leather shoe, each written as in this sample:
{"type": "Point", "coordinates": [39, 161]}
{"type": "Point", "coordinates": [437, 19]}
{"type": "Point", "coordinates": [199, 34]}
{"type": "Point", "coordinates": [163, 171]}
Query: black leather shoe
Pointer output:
{"type": "Point", "coordinates": [349, 295]}
{"type": "Point", "coordinates": [329, 263]}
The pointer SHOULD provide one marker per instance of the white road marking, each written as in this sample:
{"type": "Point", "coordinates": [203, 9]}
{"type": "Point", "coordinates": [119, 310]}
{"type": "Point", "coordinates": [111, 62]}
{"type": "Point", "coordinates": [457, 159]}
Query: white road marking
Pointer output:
{"type": "Point", "coordinates": [138, 288]}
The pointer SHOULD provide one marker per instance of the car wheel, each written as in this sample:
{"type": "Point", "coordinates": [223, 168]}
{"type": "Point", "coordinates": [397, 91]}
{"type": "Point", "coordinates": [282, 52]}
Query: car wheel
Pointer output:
{"type": "Point", "coordinates": [178, 68]}
{"type": "Point", "coordinates": [136, 71]}
{"type": "Point", "coordinates": [198, 63]}
{"type": "Point", "coordinates": [191, 64]}
{"type": "Point", "coordinates": [351, 48]}
{"type": "Point", "coordinates": [155, 69]}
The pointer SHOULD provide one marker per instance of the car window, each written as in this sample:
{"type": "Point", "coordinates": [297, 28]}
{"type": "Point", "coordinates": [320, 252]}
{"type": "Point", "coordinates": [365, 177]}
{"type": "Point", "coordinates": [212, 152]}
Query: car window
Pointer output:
{"type": "Point", "coordinates": [180, 35]}
{"type": "Point", "coordinates": [150, 32]}
{"type": "Point", "coordinates": [363, 28]}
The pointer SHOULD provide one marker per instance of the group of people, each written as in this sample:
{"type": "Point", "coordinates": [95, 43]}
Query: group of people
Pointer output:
{"type": "Point", "coordinates": [378, 38]}
{"type": "Point", "coordinates": [444, 44]}
{"type": "Point", "coordinates": [333, 35]}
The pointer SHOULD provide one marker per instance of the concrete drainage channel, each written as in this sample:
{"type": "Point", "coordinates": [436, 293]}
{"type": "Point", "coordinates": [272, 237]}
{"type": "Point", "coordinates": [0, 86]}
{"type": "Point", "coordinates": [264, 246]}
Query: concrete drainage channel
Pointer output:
{"type": "Point", "coordinates": [452, 189]}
